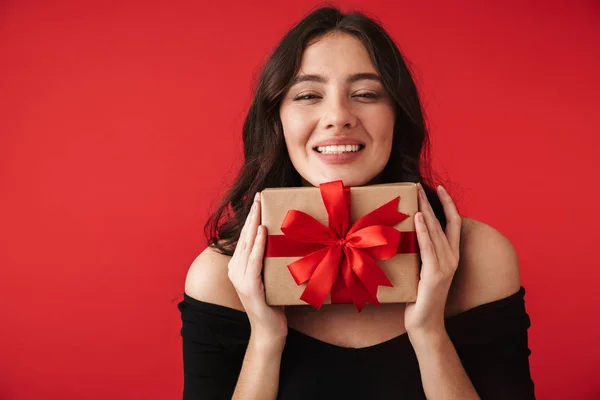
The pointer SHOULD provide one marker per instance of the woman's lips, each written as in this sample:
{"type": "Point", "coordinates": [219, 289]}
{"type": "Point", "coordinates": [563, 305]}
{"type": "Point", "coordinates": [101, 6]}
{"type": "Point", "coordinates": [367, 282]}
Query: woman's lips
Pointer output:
{"type": "Point", "coordinates": [342, 158]}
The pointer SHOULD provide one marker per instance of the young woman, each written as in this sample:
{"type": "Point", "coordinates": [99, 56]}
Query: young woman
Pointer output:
{"type": "Point", "coordinates": [339, 80]}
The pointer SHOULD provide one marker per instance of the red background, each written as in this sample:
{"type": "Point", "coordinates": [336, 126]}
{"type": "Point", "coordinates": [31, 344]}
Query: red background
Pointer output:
{"type": "Point", "coordinates": [120, 125]}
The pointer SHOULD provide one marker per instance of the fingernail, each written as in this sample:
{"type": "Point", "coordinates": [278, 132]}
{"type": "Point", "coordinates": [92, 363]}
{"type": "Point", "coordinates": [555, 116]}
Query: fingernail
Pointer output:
{"type": "Point", "coordinates": [257, 196]}
{"type": "Point", "coordinates": [441, 189]}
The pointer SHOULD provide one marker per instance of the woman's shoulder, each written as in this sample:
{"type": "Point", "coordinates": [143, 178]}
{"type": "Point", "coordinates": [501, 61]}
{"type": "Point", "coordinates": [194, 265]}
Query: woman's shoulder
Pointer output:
{"type": "Point", "coordinates": [207, 280]}
{"type": "Point", "coordinates": [488, 268]}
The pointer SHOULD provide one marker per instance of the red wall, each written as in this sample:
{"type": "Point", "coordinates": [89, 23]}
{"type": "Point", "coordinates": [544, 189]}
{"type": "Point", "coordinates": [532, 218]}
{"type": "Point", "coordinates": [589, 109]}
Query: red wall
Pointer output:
{"type": "Point", "coordinates": [118, 123]}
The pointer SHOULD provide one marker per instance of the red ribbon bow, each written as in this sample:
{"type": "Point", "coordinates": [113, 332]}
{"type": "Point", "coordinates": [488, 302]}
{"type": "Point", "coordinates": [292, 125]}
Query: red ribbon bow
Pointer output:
{"type": "Point", "coordinates": [344, 263]}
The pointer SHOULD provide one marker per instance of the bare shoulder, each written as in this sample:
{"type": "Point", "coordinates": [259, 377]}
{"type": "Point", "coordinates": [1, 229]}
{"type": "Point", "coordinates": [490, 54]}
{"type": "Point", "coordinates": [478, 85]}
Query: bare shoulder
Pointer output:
{"type": "Point", "coordinates": [488, 268]}
{"type": "Point", "coordinates": [207, 280]}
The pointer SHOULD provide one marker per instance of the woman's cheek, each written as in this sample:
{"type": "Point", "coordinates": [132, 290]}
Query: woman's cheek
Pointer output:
{"type": "Point", "coordinates": [382, 126]}
{"type": "Point", "coordinates": [301, 127]}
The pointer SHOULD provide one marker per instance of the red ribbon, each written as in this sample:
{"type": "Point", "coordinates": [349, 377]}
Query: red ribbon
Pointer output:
{"type": "Point", "coordinates": [340, 258]}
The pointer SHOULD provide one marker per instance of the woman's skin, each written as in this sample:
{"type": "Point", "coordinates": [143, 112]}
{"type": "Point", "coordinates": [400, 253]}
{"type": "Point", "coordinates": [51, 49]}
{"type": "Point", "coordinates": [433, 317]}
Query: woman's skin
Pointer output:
{"type": "Point", "coordinates": [336, 107]}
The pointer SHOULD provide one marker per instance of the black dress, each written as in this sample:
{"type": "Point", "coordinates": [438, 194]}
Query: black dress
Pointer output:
{"type": "Point", "coordinates": [491, 341]}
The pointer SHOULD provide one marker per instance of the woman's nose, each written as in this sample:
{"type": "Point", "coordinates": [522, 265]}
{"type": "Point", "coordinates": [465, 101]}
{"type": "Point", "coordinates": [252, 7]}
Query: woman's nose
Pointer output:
{"type": "Point", "coordinates": [339, 114]}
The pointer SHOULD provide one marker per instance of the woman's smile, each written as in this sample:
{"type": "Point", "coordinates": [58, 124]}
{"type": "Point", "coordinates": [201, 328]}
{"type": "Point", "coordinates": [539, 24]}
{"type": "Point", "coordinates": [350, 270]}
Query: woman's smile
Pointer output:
{"type": "Point", "coordinates": [339, 154]}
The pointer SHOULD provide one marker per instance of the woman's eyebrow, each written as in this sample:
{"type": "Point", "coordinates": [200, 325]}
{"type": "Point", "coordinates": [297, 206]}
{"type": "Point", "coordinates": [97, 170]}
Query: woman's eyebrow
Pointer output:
{"type": "Point", "coordinates": [321, 79]}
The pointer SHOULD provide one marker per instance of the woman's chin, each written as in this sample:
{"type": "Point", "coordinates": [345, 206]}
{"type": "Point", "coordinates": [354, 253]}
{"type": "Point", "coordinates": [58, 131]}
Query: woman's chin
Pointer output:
{"type": "Point", "coordinates": [351, 181]}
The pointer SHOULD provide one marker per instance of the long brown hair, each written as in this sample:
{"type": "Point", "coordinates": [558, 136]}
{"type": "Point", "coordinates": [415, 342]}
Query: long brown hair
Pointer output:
{"type": "Point", "coordinates": [266, 160]}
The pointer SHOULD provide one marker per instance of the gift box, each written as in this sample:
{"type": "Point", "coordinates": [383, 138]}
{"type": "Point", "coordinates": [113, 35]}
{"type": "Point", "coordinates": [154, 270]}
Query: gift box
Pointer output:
{"type": "Point", "coordinates": [338, 245]}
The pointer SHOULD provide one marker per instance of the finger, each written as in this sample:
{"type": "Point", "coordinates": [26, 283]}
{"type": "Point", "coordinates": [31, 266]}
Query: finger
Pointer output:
{"type": "Point", "coordinates": [428, 255]}
{"type": "Point", "coordinates": [454, 221]}
{"type": "Point", "coordinates": [237, 265]}
{"type": "Point", "coordinates": [437, 236]}
{"type": "Point", "coordinates": [241, 238]}
{"type": "Point", "coordinates": [255, 261]}
{"type": "Point", "coordinates": [247, 239]}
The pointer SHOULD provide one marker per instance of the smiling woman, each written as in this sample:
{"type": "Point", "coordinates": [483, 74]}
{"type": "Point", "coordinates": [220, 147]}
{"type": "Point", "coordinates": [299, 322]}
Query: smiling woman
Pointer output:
{"type": "Point", "coordinates": [336, 101]}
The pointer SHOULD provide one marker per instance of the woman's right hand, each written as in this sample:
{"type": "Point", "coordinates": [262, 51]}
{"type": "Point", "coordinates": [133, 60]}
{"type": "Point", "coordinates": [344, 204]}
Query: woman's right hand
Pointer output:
{"type": "Point", "coordinates": [245, 267]}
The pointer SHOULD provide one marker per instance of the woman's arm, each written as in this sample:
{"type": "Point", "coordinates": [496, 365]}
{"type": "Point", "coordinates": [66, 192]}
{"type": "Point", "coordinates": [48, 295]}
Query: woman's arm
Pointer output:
{"type": "Point", "coordinates": [442, 373]}
{"type": "Point", "coordinates": [215, 364]}
{"type": "Point", "coordinates": [259, 376]}
{"type": "Point", "coordinates": [489, 344]}
{"type": "Point", "coordinates": [236, 282]}
{"type": "Point", "coordinates": [489, 268]}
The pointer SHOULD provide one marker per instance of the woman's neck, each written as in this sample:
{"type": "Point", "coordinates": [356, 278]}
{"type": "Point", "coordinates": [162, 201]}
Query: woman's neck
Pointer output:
{"type": "Point", "coordinates": [374, 181]}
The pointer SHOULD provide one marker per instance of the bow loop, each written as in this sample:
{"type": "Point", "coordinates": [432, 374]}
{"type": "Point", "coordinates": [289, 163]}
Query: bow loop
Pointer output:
{"type": "Point", "coordinates": [301, 227]}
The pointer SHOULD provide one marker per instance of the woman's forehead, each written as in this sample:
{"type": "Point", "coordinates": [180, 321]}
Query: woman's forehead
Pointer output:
{"type": "Point", "coordinates": [336, 58]}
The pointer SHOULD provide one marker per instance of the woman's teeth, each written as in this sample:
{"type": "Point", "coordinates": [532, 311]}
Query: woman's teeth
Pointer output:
{"type": "Point", "coordinates": [347, 148]}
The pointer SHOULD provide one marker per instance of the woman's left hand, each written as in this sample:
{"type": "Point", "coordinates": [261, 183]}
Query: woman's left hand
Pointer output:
{"type": "Point", "coordinates": [440, 255]}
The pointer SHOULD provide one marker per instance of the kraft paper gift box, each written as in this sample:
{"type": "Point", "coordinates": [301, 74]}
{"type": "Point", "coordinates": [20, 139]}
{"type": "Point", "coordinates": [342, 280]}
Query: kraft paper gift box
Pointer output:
{"type": "Point", "coordinates": [375, 260]}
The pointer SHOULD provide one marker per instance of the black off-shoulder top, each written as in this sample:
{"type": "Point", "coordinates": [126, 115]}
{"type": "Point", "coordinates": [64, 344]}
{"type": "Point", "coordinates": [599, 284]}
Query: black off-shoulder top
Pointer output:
{"type": "Point", "coordinates": [491, 341]}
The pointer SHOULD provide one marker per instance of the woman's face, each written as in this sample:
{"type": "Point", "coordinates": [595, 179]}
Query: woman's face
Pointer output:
{"type": "Point", "coordinates": [337, 118]}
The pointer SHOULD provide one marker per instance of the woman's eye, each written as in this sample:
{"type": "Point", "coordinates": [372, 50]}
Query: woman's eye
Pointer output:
{"type": "Point", "coordinates": [305, 97]}
{"type": "Point", "coordinates": [312, 96]}
{"type": "Point", "coordinates": [368, 95]}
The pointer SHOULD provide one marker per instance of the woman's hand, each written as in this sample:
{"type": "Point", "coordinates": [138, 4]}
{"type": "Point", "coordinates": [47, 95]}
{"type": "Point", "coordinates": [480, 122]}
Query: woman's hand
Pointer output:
{"type": "Point", "coordinates": [267, 323]}
{"type": "Point", "coordinates": [440, 255]}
